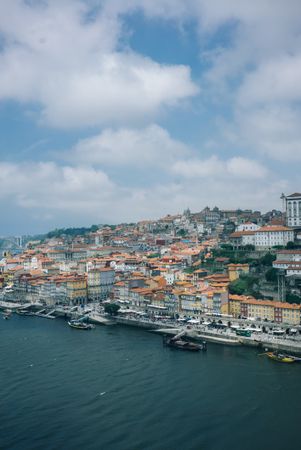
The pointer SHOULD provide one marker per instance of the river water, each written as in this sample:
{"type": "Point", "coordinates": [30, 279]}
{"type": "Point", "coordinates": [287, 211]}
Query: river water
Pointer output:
{"type": "Point", "coordinates": [118, 388]}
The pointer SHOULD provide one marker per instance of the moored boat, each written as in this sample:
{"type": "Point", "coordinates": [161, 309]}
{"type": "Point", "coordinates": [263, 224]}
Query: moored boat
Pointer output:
{"type": "Point", "coordinates": [280, 357]}
{"type": "Point", "coordinates": [177, 342]}
{"type": "Point", "coordinates": [80, 325]}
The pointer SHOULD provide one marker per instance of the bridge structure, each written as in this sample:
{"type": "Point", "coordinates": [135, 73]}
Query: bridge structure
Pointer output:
{"type": "Point", "coordinates": [11, 244]}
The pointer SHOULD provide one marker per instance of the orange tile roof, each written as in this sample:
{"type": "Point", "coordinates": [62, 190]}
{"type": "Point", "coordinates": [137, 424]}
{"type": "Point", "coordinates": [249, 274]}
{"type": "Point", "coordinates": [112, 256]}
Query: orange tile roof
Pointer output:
{"type": "Point", "coordinates": [269, 228]}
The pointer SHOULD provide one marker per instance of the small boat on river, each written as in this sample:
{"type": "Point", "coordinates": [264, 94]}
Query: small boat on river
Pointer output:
{"type": "Point", "coordinates": [280, 357]}
{"type": "Point", "coordinates": [79, 325]}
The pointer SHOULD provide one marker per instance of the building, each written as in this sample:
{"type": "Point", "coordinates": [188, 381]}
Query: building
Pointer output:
{"type": "Point", "coordinates": [242, 238]}
{"type": "Point", "coordinates": [279, 312]}
{"type": "Point", "coordinates": [100, 283]}
{"type": "Point", "coordinates": [273, 235]}
{"type": "Point", "coordinates": [235, 270]}
{"type": "Point", "coordinates": [293, 210]}
{"type": "Point", "coordinates": [247, 226]}
{"type": "Point", "coordinates": [290, 261]}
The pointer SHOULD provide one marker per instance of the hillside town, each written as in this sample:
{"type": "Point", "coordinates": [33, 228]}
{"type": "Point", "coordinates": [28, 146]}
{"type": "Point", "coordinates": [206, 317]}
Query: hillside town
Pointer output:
{"type": "Point", "coordinates": [240, 263]}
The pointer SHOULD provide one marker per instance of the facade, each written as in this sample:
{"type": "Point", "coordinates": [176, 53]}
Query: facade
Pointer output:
{"type": "Point", "coordinates": [242, 238]}
{"type": "Point", "coordinates": [278, 312]}
{"type": "Point", "coordinates": [76, 290]}
{"type": "Point", "coordinates": [235, 270]}
{"type": "Point", "coordinates": [100, 283]}
{"type": "Point", "coordinates": [247, 226]}
{"type": "Point", "coordinates": [272, 235]}
{"type": "Point", "coordinates": [293, 210]}
{"type": "Point", "coordinates": [290, 261]}
{"type": "Point", "coordinates": [264, 237]}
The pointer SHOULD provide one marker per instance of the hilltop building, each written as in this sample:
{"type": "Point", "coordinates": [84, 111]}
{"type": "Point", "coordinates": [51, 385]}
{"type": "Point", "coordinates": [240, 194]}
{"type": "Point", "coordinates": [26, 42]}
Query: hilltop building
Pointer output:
{"type": "Point", "coordinates": [293, 210]}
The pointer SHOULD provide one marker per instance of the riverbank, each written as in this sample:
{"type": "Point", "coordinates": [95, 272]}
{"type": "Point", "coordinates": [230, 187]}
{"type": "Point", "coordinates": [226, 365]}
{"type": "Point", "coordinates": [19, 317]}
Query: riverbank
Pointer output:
{"type": "Point", "coordinates": [193, 332]}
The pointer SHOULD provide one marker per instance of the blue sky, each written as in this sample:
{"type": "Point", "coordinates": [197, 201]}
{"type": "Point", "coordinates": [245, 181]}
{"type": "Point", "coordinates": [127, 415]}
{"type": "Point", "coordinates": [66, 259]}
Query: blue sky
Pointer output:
{"type": "Point", "coordinates": [121, 110]}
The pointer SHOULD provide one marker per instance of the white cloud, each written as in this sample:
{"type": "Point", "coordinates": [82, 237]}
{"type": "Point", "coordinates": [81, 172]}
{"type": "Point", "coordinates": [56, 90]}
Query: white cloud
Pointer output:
{"type": "Point", "coordinates": [271, 130]}
{"type": "Point", "coordinates": [71, 68]}
{"type": "Point", "coordinates": [275, 81]}
{"type": "Point", "coordinates": [49, 186]}
{"type": "Point", "coordinates": [237, 167]}
{"type": "Point", "coordinates": [82, 195]}
{"type": "Point", "coordinates": [147, 147]}
{"type": "Point", "coordinates": [80, 72]}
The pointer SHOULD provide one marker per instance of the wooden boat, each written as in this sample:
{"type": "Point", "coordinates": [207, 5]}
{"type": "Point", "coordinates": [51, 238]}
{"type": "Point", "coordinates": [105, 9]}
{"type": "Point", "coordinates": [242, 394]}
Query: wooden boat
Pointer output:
{"type": "Point", "coordinates": [79, 325]}
{"type": "Point", "coordinates": [180, 344]}
{"type": "Point", "coordinates": [280, 357]}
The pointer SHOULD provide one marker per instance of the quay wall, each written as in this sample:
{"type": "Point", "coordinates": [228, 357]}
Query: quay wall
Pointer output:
{"type": "Point", "coordinates": [283, 346]}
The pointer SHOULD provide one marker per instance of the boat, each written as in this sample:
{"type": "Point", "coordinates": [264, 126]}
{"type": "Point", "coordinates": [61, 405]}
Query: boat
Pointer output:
{"type": "Point", "coordinates": [179, 343]}
{"type": "Point", "coordinates": [184, 345]}
{"type": "Point", "coordinates": [80, 325]}
{"type": "Point", "coordinates": [280, 357]}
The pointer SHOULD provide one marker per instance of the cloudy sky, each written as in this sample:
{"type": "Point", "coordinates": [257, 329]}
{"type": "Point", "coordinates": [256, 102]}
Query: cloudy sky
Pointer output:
{"type": "Point", "coordinates": [119, 110]}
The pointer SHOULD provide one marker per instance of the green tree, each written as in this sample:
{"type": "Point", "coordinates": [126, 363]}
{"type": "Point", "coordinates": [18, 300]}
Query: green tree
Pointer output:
{"type": "Point", "coordinates": [271, 275]}
{"type": "Point", "coordinates": [293, 298]}
{"type": "Point", "coordinates": [245, 285]}
{"type": "Point", "coordinates": [267, 259]}
{"type": "Point", "coordinates": [112, 308]}
{"type": "Point", "coordinates": [292, 245]}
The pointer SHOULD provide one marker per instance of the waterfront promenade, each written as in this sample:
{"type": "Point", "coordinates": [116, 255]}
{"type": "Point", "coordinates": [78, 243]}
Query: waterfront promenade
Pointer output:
{"type": "Point", "coordinates": [193, 331]}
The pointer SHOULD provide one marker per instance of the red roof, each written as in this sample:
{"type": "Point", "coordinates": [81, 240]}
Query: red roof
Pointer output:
{"type": "Point", "coordinates": [268, 228]}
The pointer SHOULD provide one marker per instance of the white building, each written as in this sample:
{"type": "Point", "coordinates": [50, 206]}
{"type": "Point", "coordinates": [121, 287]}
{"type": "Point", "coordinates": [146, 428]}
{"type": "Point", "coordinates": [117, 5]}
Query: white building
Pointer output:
{"type": "Point", "coordinates": [248, 226]}
{"type": "Point", "coordinates": [293, 210]}
{"type": "Point", "coordinates": [271, 235]}
{"type": "Point", "coordinates": [241, 238]}
{"type": "Point", "coordinates": [290, 261]}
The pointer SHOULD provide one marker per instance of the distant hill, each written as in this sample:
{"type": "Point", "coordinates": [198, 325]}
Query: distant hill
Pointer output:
{"type": "Point", "coordinates": [78, 231]}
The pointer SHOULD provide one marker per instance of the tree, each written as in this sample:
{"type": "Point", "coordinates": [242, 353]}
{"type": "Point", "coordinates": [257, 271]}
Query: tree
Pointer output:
{"type": "Point", "coordinates": [271, 275]}
{"type": "Point", "coordinates": [267, 259]}
{"type": "Point", "coordinates": [112, 308]}
{"type": "Point", "coordinates": [238, 287]}
{"type": "Point", "coordinates": [293, 298]}
{"type": "Point", "coordinates": [245, 285]}
{"type": "Point", "coordinates": [292, 245]}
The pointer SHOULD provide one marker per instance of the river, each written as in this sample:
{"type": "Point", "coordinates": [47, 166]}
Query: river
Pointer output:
{"type": "Point", "coordinates": [118, 388]}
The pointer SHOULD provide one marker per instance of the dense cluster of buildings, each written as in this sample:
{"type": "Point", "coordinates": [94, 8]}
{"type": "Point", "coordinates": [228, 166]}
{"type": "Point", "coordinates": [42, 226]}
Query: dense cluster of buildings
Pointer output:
{"type": "Point", "coordinates": [157, 267]}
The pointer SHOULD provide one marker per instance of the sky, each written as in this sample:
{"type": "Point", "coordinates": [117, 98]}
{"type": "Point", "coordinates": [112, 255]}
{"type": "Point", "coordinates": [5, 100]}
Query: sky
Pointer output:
{"type": "Point", "coordinates": [121, 110]}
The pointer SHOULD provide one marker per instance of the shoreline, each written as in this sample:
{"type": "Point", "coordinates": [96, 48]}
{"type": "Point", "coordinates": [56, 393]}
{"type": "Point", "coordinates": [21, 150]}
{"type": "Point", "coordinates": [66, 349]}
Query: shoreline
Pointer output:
{"type": "Point", "coordinates": [192, 333]}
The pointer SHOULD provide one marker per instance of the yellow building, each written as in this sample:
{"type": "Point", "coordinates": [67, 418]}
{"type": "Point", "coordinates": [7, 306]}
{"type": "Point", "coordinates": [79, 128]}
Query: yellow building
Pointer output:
{"type": "Point", "coordinates": [77, 289]}
{"type": "Point", "coordinates": [279, 312]}
{"type": "Point", "coordinates": [190, 304]}
{"type": "Point", "coordinates": [235, 270]}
